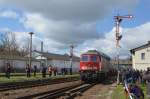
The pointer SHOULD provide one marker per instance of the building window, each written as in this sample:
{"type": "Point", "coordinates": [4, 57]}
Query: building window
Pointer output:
{"type": "Point", "coordinates": [142, 56]}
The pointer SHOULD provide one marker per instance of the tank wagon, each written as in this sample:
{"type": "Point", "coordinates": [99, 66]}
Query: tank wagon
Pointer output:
{"type": "Point", "coordinates": [94, 66]}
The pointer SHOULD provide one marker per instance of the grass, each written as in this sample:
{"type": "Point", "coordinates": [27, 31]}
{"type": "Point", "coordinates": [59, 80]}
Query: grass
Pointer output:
{"type": "Point", "coordinates": [118, 92]}
{"type": "Point", "coordinates": [3, 79]}
{"type": "Point", "coordinates": [143, 86]}
{"type": "Point", "coordinates": [17, 74]}
{"type": "Point", "coordinates": [17, 79]}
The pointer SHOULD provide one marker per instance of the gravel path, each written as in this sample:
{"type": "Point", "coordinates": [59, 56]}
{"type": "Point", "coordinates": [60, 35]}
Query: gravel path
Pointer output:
{"type": "Point", "coordinates": [12, 94]}
{"type": "Point", "coordinates": [99, 91]}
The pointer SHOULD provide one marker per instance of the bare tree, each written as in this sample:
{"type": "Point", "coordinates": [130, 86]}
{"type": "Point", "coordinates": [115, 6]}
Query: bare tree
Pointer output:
{"type": "Point", "coordinates": [9, 44]}
{"type": "Point", "coordinates": [13, 44]}
{"type": "Point", "coordinates": [24, 50]}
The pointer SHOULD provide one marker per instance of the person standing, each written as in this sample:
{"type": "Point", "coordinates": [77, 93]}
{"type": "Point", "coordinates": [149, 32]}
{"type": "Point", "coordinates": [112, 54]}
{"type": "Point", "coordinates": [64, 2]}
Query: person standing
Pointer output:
{"type": "Point", "coordinates": [44, 72]}
{"type": "Point", "coordinates": [50, 70]}
{"type": "Point", "coordinates": [65, 71]}
{"type": "Point", "coordinates": [35, 70]}
{"type": "Point", "coordinates": [62, 71]}
{"type": "Point", "coordinates": [8, 70]}
{"type": "Point", "coordinates": [55, 71]}
{"type": "Point", "coordinates": [28, 70]}
{"type": "Point", "coordinates": [70, 71]}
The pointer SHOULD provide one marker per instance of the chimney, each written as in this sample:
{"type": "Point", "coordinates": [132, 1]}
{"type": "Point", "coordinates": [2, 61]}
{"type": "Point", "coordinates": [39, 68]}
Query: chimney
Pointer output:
{"type": "Point", "coordinates": [41, 46]}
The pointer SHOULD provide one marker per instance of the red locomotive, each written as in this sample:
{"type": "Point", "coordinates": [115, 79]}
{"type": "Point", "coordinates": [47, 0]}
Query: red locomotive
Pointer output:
{"type": "Point", "coordinates": [94, 65]}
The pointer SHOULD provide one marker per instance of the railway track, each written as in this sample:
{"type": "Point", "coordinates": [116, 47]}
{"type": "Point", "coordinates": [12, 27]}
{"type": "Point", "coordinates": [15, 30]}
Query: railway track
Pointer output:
{"type": "Point", "coordinates": [64, 93]}
{"type": "Point", "coordinates": [28, 84]}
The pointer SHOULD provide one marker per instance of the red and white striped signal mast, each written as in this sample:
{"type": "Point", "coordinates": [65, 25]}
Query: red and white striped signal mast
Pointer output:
{"type": "Point", "coordinates": [118, 20]}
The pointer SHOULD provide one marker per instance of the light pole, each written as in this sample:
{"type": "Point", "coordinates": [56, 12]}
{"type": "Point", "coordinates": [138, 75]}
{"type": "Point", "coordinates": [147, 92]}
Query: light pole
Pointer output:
{"type": "Point", "coordinates": [118, 20]}
{"type": "Point", "coordinates": [30, 54]}
{"type": "Point", "coordinates": [71, 58]}
{"type": "Point", "coordinates": [41, 53]}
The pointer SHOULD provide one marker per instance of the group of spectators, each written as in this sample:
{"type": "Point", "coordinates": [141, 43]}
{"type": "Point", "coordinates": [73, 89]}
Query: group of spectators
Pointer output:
{"type": "Point", "coordinates": [64, 71]}
{"type": "Point", "coordinates": [51, 70]}
{"type": "Point", "coordinates": [133, 78]}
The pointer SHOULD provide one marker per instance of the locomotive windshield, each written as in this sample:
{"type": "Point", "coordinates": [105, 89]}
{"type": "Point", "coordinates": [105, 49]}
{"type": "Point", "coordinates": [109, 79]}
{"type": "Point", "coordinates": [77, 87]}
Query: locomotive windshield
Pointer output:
{"type": "Point", "coordinates": [84, 58]}
{"type": "Point", "coordinates": [93, 58]}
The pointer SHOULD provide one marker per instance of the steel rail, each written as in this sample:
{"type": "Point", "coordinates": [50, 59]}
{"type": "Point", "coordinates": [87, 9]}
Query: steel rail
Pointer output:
{"type": "Point", "coordinates": [50, 93]}
{"type": "Point", "coordinates": [28, 84]}
{"type": "Point", "coordinates": [78, 92]}
{"type": "Point", "coordinates": [68, 93]}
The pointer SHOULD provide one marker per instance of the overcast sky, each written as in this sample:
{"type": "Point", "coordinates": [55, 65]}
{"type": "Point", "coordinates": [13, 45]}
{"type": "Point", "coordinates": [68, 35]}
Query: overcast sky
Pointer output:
{"type": "Point", "coordinates": [88, 24]}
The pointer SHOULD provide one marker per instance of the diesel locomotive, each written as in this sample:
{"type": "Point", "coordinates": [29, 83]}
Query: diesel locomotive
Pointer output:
{"type": "Point", "coordinates": [94, 66]}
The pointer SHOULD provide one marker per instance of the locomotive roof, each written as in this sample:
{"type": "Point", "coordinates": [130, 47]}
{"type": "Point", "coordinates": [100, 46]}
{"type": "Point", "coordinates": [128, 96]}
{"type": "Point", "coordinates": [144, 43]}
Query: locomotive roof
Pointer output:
{"type": "Point", "coordinates": [97, 52]}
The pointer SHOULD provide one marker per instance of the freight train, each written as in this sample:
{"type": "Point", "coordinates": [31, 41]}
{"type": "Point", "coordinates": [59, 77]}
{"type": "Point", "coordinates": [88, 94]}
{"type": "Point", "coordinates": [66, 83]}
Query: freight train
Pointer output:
{"type": "Point", "coordinates": [94, 66]}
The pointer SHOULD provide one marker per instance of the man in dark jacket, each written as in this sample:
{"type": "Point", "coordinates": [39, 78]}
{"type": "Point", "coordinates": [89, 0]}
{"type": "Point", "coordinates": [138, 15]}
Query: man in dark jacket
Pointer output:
{"type": "Point", "coordinates": [28, 70]}
{"type": "Point", "coordinates": [137, 91]}
{"type": "Point", "coordinates": [35, 70]}
{"type": "Point", "coordinates": [44, 72]}
{"type": "Point", "coordinates": [8, 70]}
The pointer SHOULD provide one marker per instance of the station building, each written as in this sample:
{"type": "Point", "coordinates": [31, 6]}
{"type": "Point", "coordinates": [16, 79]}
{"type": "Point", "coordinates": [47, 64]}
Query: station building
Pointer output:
{"type": "Point", "coordinates": [141, 57]}
{"type": "Point", "coordinates": [57, 60]}
{"type": "Point", "coordinates": [19, 63]}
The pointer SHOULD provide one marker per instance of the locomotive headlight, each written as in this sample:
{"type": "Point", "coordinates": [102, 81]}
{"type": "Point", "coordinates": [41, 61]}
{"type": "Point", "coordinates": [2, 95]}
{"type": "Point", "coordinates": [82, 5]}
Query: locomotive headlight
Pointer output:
{"type": "Point", "coordinates": [84, 67]}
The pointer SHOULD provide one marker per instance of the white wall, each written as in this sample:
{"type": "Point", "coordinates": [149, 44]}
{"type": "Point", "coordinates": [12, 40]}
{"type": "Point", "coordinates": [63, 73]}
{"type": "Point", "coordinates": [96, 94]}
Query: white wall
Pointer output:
{"type": "Point", "coordinates": [138, 63]}
{"type": "Point", "coordinates": [19, 64]}
{"type": "Point", "coordinates": [63, 64]}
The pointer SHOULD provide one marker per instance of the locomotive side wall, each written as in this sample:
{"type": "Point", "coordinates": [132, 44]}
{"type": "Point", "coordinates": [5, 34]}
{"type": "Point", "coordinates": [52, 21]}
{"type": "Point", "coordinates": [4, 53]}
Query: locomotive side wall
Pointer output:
{"type": "Point", "coordinates": [105, 65]}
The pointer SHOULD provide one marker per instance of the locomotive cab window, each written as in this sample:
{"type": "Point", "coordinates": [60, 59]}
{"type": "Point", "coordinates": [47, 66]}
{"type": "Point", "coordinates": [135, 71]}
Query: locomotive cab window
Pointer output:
{"type": "Point", "coordinates": [84, 58]}
{"type": "Point", "coordinates": [93, 58]}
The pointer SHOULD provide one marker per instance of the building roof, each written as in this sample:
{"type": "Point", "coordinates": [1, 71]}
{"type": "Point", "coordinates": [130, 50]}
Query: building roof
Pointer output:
{"type": "Point", "coordinates": [51, 56]}
{"type": "Point", "coordinates": [15, 57]}
{"type": "Point", "coordinates": [140, 47]}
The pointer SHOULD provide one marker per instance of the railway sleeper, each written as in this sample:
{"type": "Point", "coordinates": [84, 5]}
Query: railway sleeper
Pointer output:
{"type": "Point", "coordinates": [77, 92]}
